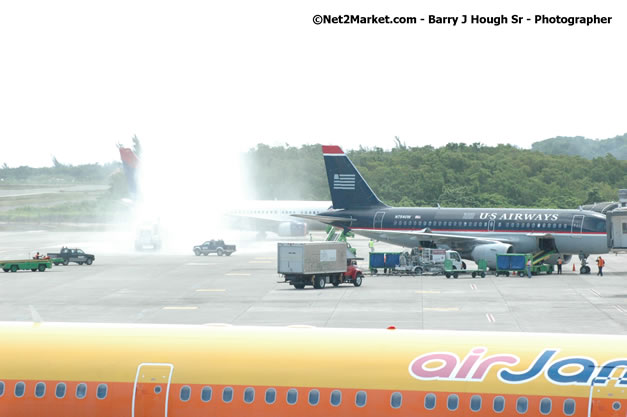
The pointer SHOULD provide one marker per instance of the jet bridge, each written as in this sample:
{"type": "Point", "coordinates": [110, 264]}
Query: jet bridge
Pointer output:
{"type": "Point", "coordinates": [617, 225]}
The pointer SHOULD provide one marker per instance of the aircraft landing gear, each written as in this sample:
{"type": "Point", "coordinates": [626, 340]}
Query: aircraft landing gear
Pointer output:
{"type": "Point", "coordinates": [585, 269]}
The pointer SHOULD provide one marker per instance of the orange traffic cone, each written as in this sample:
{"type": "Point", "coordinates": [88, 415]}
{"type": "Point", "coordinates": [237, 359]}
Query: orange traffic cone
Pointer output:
{"type": "Point", "coordinates": [573, 267]}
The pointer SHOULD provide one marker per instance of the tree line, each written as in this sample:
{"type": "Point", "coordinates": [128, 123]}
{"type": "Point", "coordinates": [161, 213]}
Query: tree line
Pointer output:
{"type": "Point", "coordinates": [587, 148]}
{"type": "Point", "coordinates": [456, 175]}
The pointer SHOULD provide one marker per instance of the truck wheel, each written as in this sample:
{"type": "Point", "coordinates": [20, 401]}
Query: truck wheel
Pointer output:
{"type": "Point", "coordinates": [33, 269]}
{"type": "Point", "coordinates": [319, 282]}
{"type": "Point", "coordinates": [42, 267]}
{"type": "Point", "coordinates": [358, 280]}
{"type": "Point", "coordinates": [483, 275]}
{"type": "Point", "coordinates": [447, 275]}
{"type": "Point", "coordinates": [56, 264]}
{"type": "Point", "coordinates": [13, 268]}
{"type": "Point", "coordinates": [335, 283]}
{"type": "Point", "coordinates": [474, 275]}
{"type": "Point", "coordinates": [228, 253]}
{"type": "Point", "coordinates": [197, 252]}
{"type": "Point", "coordinates": [373, 271]}
{"type": "Point", "coordinates": [205, 254]}
{"type": "Point", "coordinates": [455, 275]}
{"type": "Point", "coordinates": [89, 261]}
{"type": "Point", "coordinates": [299, 286]}
{"type": "Point", "coordinates": [80, 263]}
{"type": "Point", "coordinates": [6, 269]}
{"type": "Point", "coordinates": [220, 252]}
{"type": "Point", "coordinates": [66, 262]}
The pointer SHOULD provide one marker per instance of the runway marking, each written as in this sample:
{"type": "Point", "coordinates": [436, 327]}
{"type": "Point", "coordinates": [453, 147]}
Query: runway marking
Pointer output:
{"type": "Point", "coordinates": [473, 287]}
{"type": "Point", "coordinates": [619, 308]}
{"type": "Point", "coordinates": [427, 292]}
{"type": "Point", "coordinates": [181, 308]}
{"type": "Point", "coordinates": [259, 262]}
{"type": "Point", "coordinates": [199, 263]}
{"type": "Point", "coordinates": [595, 292]}
{"type": "Point", "coordinates": [210, 290]}
{"type": "Point", "coordinates": [272, 258]}
{"type": "Point", "coordinates": [490, 317]}
{"type": "Point", "coordinates": [441, 309]}
{"type": "Point", "coordinates": [237, 274]}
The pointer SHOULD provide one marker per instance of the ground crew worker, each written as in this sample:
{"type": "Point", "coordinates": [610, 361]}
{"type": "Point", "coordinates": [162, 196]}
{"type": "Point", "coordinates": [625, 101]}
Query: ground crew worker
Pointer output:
{"type": "Point", "coordinates": [529, 268]}
{"type": "Point", "coordinates": [36, 256]}
{"type": "Point", "coordinates": [600, 264]}
{"type": "Point", "coordinates": [559, 265]}
{"type": "Point", "coordinates": [371, 245]}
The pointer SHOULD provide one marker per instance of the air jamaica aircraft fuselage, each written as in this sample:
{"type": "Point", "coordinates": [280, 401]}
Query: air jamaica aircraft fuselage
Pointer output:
{"type": "Point", "coordinates": [132, 370]}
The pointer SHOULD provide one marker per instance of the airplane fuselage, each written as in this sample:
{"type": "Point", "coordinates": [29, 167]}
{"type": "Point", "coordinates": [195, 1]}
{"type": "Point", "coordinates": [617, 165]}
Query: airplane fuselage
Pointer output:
{"type": "Point", "coordinates": [129, 370]}
{"type": "Point", "coordinates": [573, 231]}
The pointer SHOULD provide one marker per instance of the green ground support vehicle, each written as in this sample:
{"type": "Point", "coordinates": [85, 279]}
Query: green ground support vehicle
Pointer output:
{"type": "Point", "coordinates": [449, 271]}
{"type": "Point", "coordinates": [25, 264]}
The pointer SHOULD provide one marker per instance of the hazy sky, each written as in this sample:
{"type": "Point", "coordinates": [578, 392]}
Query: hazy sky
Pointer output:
{"type": "Point", "coordinates": [198, 78]}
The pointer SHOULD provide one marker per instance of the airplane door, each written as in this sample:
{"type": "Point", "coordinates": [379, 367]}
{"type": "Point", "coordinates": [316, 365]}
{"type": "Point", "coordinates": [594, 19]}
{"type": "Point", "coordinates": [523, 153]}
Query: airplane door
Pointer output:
{"type": "Point", "coordinates": [151, 390]}
{"type": "Point", "coordinates": [378, 220]}
{"type": "Point", "coordinates": [491, 226]}
{"type": "Point", "coordinates": [577, 226]}
{"type": "Point", "coordinates": [605, 393]}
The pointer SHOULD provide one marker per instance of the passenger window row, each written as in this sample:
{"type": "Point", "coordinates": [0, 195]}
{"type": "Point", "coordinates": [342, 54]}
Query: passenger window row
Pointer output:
{"type": "Point", "coordinates": [396, 400]}
{"type": "Point", "coordinates": [498, 404]}
{"type": "Point", "coordinates": [291, 396]}
{"type": "Point", "coordinates": [60, 390]}
{"type": "Point", "coordinates": [498, 225]}
{"type": "Point", "coordinates": [313, 397]}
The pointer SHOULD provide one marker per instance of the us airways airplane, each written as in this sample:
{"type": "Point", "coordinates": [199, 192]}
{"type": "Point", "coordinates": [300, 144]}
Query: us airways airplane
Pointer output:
{"type": "Point", "coordinates": [126, 370]}
{"type": "Point", "coordinates": [477, 233]}
{"type": "Point", "coordinates": [261, 216]}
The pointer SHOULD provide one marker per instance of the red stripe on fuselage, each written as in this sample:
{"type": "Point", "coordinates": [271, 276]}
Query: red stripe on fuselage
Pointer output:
{"type": "Point", "coordinates": [479, 231]}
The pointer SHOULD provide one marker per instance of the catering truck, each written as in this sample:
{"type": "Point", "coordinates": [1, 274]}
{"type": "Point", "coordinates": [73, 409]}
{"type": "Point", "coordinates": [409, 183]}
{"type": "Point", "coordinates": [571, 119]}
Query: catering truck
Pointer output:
{"type": "Point", "coordinates": [317, 264]}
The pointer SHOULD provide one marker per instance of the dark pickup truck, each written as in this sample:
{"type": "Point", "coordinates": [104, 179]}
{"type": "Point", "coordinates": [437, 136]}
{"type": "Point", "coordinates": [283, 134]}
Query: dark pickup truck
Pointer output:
{"type": "Point", "coordinates": [72, 255]}
{"type": "Point", "coordinates": [214, 246]}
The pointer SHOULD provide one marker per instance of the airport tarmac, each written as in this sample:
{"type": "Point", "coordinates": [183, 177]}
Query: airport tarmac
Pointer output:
{"type": "Point", "coordinates": [175, 286]}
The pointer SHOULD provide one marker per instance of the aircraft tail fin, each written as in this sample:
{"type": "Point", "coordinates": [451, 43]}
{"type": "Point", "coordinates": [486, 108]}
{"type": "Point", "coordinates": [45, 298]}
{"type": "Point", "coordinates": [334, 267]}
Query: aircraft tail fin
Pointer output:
{"type": "Point", "coordinates": [130, 163]}
{"type": "Point", "coordinates": [348, 187]}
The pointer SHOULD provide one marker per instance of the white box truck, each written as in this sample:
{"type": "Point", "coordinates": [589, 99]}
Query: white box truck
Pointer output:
{"type": "Point", "coordinates": [317, 264]}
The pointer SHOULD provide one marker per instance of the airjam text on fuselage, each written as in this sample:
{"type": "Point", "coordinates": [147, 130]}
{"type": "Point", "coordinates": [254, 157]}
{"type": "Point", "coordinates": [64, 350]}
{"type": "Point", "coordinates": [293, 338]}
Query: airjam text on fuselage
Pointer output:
{"type": "Point", "coordinates": [519, 216]}
{"type": "Point", "coordinates": [572, 370]}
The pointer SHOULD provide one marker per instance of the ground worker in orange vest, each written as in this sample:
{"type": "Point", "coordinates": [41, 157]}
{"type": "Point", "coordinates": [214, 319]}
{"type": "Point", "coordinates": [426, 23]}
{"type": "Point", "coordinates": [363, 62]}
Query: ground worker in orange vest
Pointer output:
{"type": "Point", "coordinates": [559, 265]}
{"type": "Point", "coordinates": [600, 264]}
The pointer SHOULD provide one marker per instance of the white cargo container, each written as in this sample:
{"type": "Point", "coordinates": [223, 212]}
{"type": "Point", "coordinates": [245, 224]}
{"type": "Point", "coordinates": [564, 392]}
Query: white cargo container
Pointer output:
{"type": "Point", "coordinates": [316, 263]}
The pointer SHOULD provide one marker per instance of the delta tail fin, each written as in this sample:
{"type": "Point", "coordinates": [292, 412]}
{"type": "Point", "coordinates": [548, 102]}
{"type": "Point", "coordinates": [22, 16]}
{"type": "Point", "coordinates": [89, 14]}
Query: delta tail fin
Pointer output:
{"type": "Point", "coordinates": [130, 163]}
{"type": "Point", "coordinates": [348, 188]}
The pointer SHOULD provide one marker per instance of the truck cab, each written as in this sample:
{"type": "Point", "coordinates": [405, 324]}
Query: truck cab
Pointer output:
{"type": "Point", "coordinates": [214, 246]}
{"type": "Point", "coordinates": [455, 259]}
{"type": "Point", "coordinates": [67, 255]}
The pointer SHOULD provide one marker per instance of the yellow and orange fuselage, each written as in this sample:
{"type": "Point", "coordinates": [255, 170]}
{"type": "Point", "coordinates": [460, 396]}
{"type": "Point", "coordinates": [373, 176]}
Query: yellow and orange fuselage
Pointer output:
{"type": "Point", "coordinates": [61, 369]}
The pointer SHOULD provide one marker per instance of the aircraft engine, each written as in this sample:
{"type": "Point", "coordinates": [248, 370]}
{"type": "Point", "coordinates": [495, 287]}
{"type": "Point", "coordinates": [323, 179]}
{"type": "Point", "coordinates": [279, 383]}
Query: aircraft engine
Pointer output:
{"type": "Point", "coordinates": [489, 251]}
{"type": "Point", "coordinates": [288, 229]}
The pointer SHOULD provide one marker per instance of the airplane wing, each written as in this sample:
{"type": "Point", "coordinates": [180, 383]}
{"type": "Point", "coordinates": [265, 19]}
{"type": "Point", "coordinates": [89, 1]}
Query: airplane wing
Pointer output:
{"type": "Point", "coordinates": [460, 243]}
{"type": "Point", "coordinates": [426, 234]}
{"type": "Point", "coordinates": [324, 219]}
